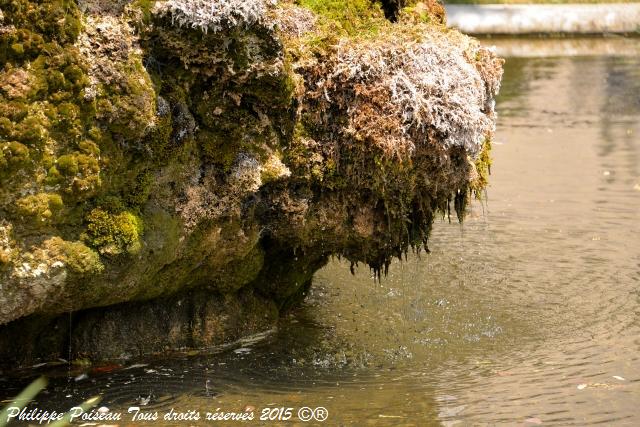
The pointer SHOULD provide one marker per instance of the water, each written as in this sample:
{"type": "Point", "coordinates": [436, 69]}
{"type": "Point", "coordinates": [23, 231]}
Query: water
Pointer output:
{"type": "Point", "coordinates": [528, 313]}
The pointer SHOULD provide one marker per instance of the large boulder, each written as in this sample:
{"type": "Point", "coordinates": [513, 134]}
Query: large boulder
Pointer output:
{"type": "Point", "coordinates": [188, 162]}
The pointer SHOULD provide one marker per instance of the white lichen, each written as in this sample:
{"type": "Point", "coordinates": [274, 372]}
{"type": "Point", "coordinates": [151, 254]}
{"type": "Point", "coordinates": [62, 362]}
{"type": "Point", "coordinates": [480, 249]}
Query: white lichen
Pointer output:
{"type": "Point", "coordinates": [214, 15]}
{"type": "Point", "coordinates": [293, 21]}
{"type": "Point", "coordinates": [418, 86]}
{"type": "Point", "coordinates": [246, 174]}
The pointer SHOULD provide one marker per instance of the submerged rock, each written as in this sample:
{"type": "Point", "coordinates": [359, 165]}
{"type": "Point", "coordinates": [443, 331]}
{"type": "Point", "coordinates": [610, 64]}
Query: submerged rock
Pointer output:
{"type": "Point", "coordinates": [174, 172]}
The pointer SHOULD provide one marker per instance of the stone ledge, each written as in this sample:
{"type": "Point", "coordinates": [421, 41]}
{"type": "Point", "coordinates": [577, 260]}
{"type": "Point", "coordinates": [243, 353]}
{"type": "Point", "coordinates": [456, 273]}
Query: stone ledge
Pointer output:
{"type": "Point", "coordinates": [618, 18]}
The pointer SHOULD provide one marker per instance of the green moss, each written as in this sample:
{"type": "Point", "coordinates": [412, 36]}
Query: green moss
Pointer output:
{"type": "Point", "coordinates": [139, 193]}
{"type": "Point", "coordinates": [483, 169]}
{"type": "Point", "coordinates": [114, 234]}
{"type": "Point", "coordinates": [42, 208]}
{"type": "Point", "coordinates": [67, 165]}
{"type": "Point", "coordinates": [68, 112]}
{"type": "Point", "coordinates": [19, 45]}
{"type": "Point", "coordinates": [78, 173]}
{"type": "Point", "coordinates": [261, 118]}
{"type": "Point", "coordinates": [111, 204]}
{"type": "Point", "coordinates": [14, 110]}
{"type": "Point", "coordinates": [6, 128]}
{"type": "Point", "coordinates": [354, 18]}
{"type": "Point", "coordinates": [54, 177]}
{"type": "Point", "coordinates": [47, 128]}
{"type": "Point", "coordinates": [159, 137]}
{"type": "Point", "coordinates": [55, 80]}
{"type": "Point", "coordinates": [79, 258]}
{"type": "Point", "coordinates": [88, 165]}
{"type": "Point", "coordinates": [275, 92]}
{"type": "Point", "coordinates": [221, 149]}
{"type": "Point", "coordinates": [419, 14]}
{"type": "Point", "coordinates": [90, 148]}
{"type": "Point", "coordinates": [16, 152]}
{"type": "Point", "coordinates": [75, 74]}
{"type": "Point", "coordinates": [145, 6]}
{"type": "Point", "coordinates": [95, 134]}
{"type": "Point", "coordinates": [32, 130]}
{"type": "Point", "coordinates": [56, 20]}
{"type": "Point", "coordinates": [15, 156]}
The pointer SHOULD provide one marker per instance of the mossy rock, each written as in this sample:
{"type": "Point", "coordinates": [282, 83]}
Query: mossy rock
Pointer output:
{"type": "Point", "coordinates": [144, 161]}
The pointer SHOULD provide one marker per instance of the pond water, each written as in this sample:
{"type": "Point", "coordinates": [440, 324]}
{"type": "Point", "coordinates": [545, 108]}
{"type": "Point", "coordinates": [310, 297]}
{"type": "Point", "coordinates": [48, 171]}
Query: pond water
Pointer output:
{"type": "Point", "coordinates": [528, 313]}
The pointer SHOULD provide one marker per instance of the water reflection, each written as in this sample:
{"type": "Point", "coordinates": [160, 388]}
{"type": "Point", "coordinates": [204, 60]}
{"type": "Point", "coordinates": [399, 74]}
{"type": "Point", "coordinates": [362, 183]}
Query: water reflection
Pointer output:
{"type": "Point", "coordinates": [527, 314]}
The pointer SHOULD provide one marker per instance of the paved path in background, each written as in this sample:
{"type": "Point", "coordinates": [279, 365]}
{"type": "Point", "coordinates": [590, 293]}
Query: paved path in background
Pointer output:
{"type": "Point", "coordinates": [545, 18]}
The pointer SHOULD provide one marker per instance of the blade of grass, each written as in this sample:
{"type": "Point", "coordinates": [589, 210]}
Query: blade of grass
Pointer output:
{"type": "Point", "coordinates": [23, 399]}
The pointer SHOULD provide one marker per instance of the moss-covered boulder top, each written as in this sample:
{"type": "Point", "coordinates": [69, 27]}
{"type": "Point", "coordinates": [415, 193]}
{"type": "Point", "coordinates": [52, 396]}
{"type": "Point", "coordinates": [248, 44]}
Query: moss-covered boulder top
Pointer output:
{"type": "Point", "coordinates": [153, 148]}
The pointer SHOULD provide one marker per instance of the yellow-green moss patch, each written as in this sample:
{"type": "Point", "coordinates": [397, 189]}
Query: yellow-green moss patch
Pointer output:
{"type": "Point", "coordinates": [42, 208]}
{"type": "Point", "coordinates": [76, 255]}
{"type": "Point", "coordinates": [114, 234]}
